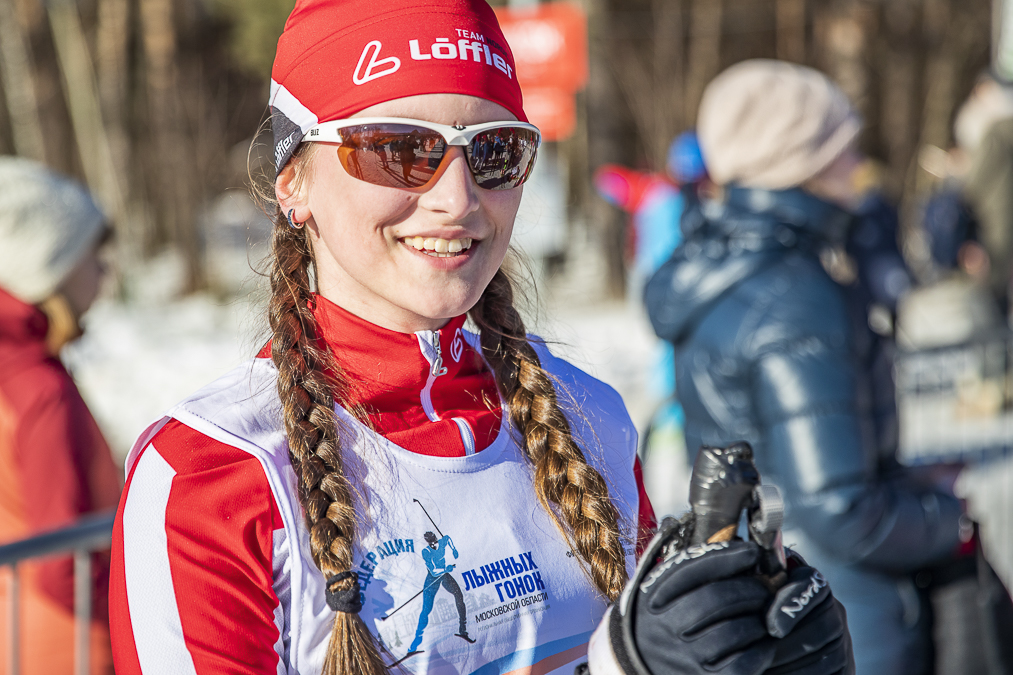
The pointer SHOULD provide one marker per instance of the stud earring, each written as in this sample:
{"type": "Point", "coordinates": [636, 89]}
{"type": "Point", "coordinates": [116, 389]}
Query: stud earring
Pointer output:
{"type": "Point", "coordinates": [292, 222]}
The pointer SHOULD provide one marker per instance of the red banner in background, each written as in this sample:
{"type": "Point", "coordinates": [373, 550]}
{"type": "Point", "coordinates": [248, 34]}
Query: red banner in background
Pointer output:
{"type": "Point", "coordinates": [549, 44]}
{"type": "Point", "coordinates": [553, 111]}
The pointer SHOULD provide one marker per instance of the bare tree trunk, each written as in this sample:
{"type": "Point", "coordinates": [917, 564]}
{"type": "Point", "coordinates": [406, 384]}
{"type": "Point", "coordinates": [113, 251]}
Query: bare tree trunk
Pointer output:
{"type": "Point", "coordinates": [112, 33]}
{"type": "Point", "coordinates": [669, 77]}
{"type": "Point", "coordinates": [608, 139]}
{"type": "Point", "coordinates": [19, 90]}
{"type": "Point", "coordinates": [941, 70]}
{"type": "Point", "coordinates": [6, 140]}
{"type": "Point", "coordinates": [900, 112]}
{"type": "Point", "coordinates": [843, 33]}
{"type": "Point", "coordinates": [636, 80]}
{"type": "Point", "coordinates": [174, 161]}
{"type": "Point", "coordinates": [82, 101]}
{"type": "Point", "coordinates": [111, 45]}
{"type": "Point", "coordinates": [791, 30]}
{"type": "Point", "coordinates": [939, 94]}
{"type": "Point", "coordinates": [704, 51]}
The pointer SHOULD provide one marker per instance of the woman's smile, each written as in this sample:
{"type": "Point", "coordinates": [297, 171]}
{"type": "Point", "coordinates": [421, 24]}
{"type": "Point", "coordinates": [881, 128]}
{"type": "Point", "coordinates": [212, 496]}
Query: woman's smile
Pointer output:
{"type": "Point", "coordinates": [438, 248]}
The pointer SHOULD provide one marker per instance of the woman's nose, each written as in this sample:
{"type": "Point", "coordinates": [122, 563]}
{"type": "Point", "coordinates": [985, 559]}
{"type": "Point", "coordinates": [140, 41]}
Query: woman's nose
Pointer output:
{"type": "Point", "coordinates": [453, 190]}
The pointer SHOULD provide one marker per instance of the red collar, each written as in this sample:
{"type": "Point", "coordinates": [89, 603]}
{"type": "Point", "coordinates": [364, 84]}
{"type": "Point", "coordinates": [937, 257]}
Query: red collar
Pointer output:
{"type": "Point", "coordinates": [379, 360]}
{"type": "Point", "coordinates": [21, 322]}
{"type": "Point", "coordinates": [450, 410]}
{"type": "Point", "coordinates": [23, 330]}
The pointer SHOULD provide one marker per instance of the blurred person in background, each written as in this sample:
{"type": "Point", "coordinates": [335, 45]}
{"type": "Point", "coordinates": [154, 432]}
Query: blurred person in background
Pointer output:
{"type": "Point", "coordinates": [984, 133]}
{"type": "Point", "coordinates": [55, 464]}
{"type": "Point", "coordinates": [772, 349]}
{"type": "Point", "coordinates": [656, 203]}
{"type": "Point", "coordinates": [968, 217]}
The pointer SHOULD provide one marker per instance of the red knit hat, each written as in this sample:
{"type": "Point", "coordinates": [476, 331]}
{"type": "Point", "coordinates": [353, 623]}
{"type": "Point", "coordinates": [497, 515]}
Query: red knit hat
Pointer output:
{"type": "Point", "coordinates": [337, 57]}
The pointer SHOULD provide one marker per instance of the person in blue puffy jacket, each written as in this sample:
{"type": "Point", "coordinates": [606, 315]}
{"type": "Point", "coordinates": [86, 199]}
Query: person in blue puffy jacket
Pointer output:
{"type": "Point", "coordinates": [771, 349]}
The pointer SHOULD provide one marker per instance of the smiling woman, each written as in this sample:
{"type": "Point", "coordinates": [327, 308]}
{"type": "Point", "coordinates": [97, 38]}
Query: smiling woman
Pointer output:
{"type": "Point", "coordinates": [380, 482]}
{"type": "Point", "coordinates": [429, 462]}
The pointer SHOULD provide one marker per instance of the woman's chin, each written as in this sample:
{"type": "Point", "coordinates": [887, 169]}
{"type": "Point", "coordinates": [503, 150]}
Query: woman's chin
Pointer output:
{"type": "Point", "coordinates": [440, 311]}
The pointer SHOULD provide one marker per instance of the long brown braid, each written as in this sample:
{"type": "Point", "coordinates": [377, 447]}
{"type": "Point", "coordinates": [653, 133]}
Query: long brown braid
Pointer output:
{"type": "Point", "coordinates": [562, 475]}
{"type": "Point", "coordinates": [308, 383]}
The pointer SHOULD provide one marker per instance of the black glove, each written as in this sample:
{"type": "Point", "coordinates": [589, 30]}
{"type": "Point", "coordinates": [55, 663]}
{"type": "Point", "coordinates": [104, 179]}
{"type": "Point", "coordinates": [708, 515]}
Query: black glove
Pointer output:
{"type": "Point", "coordinates": [705, 611]}
{"type": "Point", "coordinates": [704, 614]}
{"type": "Point", "coordinates": [811, 625]}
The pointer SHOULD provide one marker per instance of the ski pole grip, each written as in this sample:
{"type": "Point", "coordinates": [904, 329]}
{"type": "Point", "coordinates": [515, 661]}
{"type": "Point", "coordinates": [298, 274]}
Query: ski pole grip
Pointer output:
{"type": "Point", "coordinates": [720, 488]}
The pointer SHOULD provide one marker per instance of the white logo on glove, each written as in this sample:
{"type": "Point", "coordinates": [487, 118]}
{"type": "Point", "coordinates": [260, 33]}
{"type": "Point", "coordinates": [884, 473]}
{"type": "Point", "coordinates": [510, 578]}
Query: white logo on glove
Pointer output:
{"type": "Point", "coordinates": [682, 556]}
{"type": "Point", "coordinates": [799, 603]}
{"type": "Point", "coordinates": [369, 74]}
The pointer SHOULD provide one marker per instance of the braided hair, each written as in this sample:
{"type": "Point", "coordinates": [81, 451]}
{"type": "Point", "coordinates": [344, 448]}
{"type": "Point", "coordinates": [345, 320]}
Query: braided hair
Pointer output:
{"type": "Point", "coordinates": [562, 475]}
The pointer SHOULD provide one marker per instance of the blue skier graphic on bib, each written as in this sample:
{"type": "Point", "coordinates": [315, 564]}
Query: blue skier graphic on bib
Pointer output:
{"type": "Point", "coordinates": [435, 557]}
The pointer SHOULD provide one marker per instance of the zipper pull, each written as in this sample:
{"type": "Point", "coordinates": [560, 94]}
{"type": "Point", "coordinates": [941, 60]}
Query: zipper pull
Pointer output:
{"type": "Point", "coordinates": [438, 368]}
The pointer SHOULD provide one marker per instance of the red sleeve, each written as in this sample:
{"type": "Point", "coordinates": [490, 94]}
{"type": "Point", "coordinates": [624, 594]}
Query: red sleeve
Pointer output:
{"type": "Point", "coordinates": [62, 455]}
{"type": "Point", "coordinates": [192, 574]}
{"type": "Point", "coordinates": [647, 522]}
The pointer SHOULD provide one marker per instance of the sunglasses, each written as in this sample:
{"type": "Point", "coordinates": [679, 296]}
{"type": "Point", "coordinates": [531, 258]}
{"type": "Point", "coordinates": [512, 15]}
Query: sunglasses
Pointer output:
{"type": "Point", "coordinates": [406, 153]}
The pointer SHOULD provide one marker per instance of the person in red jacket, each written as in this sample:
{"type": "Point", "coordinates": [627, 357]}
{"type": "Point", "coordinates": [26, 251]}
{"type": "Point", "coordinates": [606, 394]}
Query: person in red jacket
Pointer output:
{"type": "Point", "coordinates": [55, 465]}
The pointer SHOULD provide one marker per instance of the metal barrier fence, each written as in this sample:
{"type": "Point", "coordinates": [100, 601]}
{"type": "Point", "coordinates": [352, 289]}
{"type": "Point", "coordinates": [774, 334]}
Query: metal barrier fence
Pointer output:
{"type": "Point", "coordinates": [89, 534]}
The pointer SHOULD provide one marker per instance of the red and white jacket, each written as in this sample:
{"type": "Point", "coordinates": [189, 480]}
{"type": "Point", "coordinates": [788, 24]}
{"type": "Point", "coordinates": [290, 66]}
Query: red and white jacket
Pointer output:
{"type": "Point", "coordinates": [211, 565]}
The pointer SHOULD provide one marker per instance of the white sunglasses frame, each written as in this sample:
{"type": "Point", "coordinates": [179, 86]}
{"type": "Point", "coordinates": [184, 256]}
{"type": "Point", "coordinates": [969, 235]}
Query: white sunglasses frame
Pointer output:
{"type": "Point", "coordinates": [461, 135]}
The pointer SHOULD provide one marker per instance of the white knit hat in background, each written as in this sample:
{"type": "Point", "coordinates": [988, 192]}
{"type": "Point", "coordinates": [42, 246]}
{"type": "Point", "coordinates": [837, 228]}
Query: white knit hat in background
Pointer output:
{"type": "Point", "coordinates": [47, 224]}
{"type": "Point", "coordinates": [773, 125]}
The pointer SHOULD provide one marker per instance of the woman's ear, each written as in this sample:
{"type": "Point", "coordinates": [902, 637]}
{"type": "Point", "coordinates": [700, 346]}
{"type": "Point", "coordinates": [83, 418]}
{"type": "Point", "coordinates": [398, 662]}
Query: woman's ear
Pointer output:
{"type": "Point", "coordinates": [290, 188]}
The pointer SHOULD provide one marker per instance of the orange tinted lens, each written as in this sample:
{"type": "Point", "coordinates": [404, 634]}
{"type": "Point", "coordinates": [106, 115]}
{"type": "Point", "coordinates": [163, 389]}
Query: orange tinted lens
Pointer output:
{"type": "Point", "coordinates": [391, 155]}
{"type": "Point", "coordinates": [502, 158]}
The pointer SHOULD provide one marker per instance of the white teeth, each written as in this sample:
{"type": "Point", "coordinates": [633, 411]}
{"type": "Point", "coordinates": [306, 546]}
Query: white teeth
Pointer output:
{"type": "Point", "coordinates": [440, 248]}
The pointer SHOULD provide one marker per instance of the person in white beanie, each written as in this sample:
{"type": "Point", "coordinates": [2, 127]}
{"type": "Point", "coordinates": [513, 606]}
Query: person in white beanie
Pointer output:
{"type": "Point", "coordinates": [772, 350]}
{"type": "Point", "coordinates": [774, 125]}
{"type": "Point", "coordinates": [50, 231]}
{"type": "Point", "coordinates": [984, 132]}
{"type": "Point", "coordinates": [55, 464]}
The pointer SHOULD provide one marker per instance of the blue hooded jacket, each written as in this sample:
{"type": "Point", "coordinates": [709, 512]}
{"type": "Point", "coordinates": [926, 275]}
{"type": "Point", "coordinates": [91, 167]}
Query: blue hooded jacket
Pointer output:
{"type": "Point", "coordinates": [771, 350]}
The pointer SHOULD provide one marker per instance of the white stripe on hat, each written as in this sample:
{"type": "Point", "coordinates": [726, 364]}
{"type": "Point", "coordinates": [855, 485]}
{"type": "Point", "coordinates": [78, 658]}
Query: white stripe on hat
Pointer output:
{"type": "Point", "coordinates": [291, 107]}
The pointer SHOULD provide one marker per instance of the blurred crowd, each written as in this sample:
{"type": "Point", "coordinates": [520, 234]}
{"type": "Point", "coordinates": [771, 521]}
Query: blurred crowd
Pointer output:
{"type": "Point", "coordinates": [770, 263]}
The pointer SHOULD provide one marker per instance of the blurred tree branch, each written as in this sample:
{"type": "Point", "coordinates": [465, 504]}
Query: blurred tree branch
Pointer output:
{"type": "Point", "coordinates": [85, 112]}
{"type": "Point", "coordinates": [18, 84]}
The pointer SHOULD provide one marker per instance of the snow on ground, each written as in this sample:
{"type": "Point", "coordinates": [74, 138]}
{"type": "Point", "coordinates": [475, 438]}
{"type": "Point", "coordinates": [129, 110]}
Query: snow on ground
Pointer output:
{"type": "Point", "coordinates": [136, 361]}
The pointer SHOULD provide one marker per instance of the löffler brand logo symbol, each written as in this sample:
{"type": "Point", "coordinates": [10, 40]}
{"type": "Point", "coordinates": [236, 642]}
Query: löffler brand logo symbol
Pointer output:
{"type": "Point", "coordinates": [373, 49]}
{"type": "Point", "coordinates": [470, 47]}
{"type": "Point", "coordinates": [457, 346]}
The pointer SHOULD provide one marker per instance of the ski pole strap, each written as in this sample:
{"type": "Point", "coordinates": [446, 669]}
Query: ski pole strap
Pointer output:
{"type": "Point", "coordinates": [347, 600]}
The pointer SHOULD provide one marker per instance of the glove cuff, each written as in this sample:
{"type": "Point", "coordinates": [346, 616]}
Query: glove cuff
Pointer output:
{"type": "Point", "coordinates": [607, 653]}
